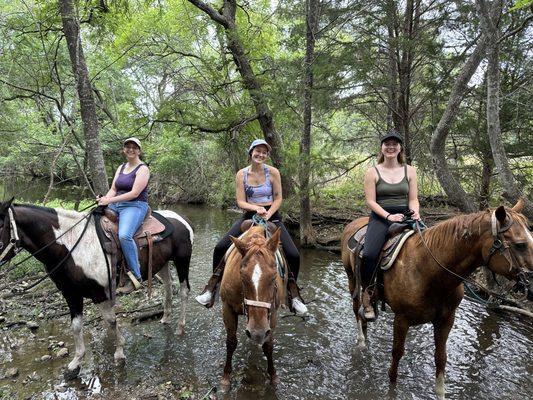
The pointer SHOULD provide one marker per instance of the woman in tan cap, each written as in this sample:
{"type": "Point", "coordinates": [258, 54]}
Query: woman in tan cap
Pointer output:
{"type": "Point", "coordinates": [128, 197]}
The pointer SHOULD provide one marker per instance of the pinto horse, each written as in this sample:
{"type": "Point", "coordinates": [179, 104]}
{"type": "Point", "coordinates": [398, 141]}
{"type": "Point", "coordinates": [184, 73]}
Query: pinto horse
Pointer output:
{"type": "Point", "coordinates": [252, 286]}
{"type": "Point", "coordinates": [425, 284]}
{"type": "Point", "coordinates": [66, 243]}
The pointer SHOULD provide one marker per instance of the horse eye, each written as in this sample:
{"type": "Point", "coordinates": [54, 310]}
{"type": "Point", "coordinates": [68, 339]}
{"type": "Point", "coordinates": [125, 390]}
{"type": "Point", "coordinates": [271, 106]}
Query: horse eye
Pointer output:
{"type": "Point", "coordinates": [520, 246]}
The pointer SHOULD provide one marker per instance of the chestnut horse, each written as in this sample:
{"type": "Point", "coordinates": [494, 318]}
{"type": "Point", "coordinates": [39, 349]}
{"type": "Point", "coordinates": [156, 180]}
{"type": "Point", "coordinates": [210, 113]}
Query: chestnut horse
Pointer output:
{"type": "Point", "coordinates": [425, 284]}
{"type": "Point", "coordinates": [252, 286]}
{"type": "Point", "coordinates": [67, 244]}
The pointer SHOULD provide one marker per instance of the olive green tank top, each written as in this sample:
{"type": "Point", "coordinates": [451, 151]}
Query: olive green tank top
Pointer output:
{"type": "Point", "coordinates": [392, 194]}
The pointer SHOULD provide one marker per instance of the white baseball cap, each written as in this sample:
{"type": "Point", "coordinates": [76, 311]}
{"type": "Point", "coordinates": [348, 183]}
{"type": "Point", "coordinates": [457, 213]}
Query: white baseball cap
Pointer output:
{"type": "Point", "coordinates": [134, 140]}
{"type": "Point", "coordinates": [257, 142]}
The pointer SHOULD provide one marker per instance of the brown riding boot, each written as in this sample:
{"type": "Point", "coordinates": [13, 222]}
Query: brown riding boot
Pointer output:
{"type": "Point", "coordinates": [209, 294]}
{"type": "Point", "coordinates": [368, 308]}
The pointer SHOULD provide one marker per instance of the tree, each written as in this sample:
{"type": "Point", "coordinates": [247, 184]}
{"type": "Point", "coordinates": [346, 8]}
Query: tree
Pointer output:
{"type": "Point", "coordinates": [307, 235]}
{"type": "Point", "coordinates": [71, 28]}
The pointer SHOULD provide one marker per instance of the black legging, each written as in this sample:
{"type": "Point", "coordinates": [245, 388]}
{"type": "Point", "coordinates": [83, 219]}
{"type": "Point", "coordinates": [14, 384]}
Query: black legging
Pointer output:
{"type": "Point", "coordinates": [376, 236]}
{"type": "Point", "coordinates": [289, 248]}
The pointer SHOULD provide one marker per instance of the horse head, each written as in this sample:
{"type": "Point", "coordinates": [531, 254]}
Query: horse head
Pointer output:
{"type": "Point", "coordinates": [258, 275]}
{"type": "Point", "coordinates": [510, 248]}
{"type": "Point", "coordinates": [7, 243]}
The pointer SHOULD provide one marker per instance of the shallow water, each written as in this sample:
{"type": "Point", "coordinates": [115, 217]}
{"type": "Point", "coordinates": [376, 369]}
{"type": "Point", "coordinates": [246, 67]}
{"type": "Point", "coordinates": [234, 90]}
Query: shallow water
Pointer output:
{"type": "Point", "coordinates": [489, 356]}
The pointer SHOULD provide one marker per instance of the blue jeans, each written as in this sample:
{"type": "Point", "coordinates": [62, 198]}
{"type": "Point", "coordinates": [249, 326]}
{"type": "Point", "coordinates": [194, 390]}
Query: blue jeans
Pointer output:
{"type": "Point", "coordinates": [131, 215]}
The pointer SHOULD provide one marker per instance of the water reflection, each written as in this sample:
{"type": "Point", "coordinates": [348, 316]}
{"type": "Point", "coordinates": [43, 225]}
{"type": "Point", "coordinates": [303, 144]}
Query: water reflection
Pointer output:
{"type": "Point", "coordinates": [488, 357]}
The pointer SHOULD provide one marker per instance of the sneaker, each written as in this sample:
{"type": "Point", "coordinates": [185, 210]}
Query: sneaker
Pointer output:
{"type": "Point", "coordinates": [299, 307]}
{"type": "Point", "coordinates": [205, 299]}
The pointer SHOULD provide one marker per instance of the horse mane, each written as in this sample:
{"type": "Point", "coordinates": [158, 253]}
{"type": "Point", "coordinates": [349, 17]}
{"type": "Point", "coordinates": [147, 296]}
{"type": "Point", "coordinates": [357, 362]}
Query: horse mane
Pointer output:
{"type": "Point", "coordinates": [256, 242]}
{"type": "Point", "coordinates": [70, 214]}
{"type": "Point", "coordinates": [460, 227]}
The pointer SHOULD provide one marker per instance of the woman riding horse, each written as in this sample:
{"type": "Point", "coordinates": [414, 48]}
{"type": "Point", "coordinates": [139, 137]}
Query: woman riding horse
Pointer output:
{"type": "Point", "coordinates": [258, 191]}
{"type": "Point", "coordinates": [128, 197]}
{"type": "Point", "coordinates": [390, 191]}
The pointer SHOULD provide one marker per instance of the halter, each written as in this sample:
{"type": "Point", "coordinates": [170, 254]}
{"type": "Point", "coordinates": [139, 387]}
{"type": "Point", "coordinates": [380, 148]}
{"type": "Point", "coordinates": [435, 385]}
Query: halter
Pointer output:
{"type": "Point", "coordinates": [14, 236]}
{"type": "Point", "coordinates": [261, 304]}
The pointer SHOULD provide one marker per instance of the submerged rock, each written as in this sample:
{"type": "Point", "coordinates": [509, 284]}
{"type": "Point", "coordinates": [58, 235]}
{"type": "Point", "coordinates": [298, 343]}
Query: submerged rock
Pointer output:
{"type": "Point", "coordinates": [62, 352]}
{"type": "Point", "coordinates": [46, 357]}
{"type": "Point", "coordinates": [11, 373]}
{"type": "Point", "coordinates": [32, 325]}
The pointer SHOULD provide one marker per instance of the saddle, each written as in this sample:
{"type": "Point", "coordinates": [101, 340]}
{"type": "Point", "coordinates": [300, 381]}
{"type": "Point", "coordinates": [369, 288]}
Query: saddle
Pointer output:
{"type": "Point", "coordinates": [398, 234]}
{"type": "Point", "coordinates": [153, 229]}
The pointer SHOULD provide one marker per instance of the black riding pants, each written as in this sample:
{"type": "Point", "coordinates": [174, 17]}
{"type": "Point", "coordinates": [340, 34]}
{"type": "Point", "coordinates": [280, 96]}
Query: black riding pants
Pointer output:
{"type": "Point", "coordinates": [376, 236]}
{"type": "Point", "coordinates": [289, 248]}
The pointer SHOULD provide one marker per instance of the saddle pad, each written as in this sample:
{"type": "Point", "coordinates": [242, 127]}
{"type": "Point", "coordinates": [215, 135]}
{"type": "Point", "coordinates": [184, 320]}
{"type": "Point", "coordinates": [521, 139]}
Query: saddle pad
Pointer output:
{"type": "Point", "coordinates": [392, 249]}
{"type": "Point", "coordinates": [357, 240]}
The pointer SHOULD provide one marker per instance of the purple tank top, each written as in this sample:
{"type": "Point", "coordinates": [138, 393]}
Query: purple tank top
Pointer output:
{"type": "Point", "coordinates": [124, 183]}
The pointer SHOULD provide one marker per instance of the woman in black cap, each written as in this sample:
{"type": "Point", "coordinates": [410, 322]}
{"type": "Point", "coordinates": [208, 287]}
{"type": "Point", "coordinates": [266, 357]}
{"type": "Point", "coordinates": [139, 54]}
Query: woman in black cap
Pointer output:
{"type": "Point", "coordinates": [390, 191]}
{"type": "Point", "coordinates": [258, 191]}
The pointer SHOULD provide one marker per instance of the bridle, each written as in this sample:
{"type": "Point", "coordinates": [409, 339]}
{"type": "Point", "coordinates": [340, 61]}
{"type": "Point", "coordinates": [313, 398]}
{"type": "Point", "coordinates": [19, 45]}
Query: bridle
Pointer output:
{"type": "Point", "coordinates": [14, 239]}
{"type": "Point", "coordinates": [499, 243]}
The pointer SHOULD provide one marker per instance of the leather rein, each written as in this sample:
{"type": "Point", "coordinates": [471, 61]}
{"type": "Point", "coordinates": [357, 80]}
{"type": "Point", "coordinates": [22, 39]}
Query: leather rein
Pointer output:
{"type": "Point", "coordinates": [499, 243]}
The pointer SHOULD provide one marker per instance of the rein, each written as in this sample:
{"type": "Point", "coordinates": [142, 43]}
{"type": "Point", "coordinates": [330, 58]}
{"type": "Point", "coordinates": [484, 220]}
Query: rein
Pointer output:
{"type": "Point", "coordinates": [498, 243]}
{"type": "Point", "coordinates": [14, 227]}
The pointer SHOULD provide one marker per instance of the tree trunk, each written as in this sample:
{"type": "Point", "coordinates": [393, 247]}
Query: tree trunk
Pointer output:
{"type": "Point", "coordinates": [250, 81]}
{"type": "Point", "coordinates": [449, 184]}
{"type": "Point", "coordinates": [393, 120]}
{"type": "Point", "coordinates": [490, 15]}
{"type": "Point", "coordinates": [307, 234]}
{"type": "Point", "coordinates": [71, 28]}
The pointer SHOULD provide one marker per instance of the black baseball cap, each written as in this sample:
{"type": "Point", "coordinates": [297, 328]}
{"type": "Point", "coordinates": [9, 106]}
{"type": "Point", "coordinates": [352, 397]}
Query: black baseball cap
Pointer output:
{"type": "Point", "coordinates": [392, 134]}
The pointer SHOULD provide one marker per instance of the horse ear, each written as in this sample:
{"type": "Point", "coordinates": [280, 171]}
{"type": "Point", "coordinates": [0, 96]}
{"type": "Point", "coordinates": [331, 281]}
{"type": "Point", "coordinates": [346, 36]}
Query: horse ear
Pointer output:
{"type": "Point", "coordinates": [273, 242]}
{"type": "Point", "coordinates": [519, 206]}
{"type": "Point", "coordinates": [239, 245]}
{"type": "Point", "coordinates": [5, 205]}
{"type": "Point", "coordinates": [501, 214]}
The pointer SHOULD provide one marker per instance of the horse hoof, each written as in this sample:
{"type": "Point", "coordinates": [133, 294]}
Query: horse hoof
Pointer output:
{"type": "Point", "coordinates": [224, 385]}
{"type": "Point", "coordinates": [164, 320]}
{"type": "Point", "coordinates": [180, 330]}
{"type": "Point", "coordinates": [274, 380]}
{"type": "Point", "coordinates": [71, 374]}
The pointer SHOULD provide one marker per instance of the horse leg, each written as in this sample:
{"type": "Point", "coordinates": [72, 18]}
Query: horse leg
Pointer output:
{"type": "Point", "coordinates": [268, 348]}
{"type": "Point", "coordinates": [230, 322]}
{"type": "Point", "coordinates": [361, 324]}
{"type": "Point", "coordinates": [164, 273]}
{"type": "Point", "coordinates": [441, 330]}
{"type": "Point", "coordinates": [182, 264]}
{"type": "Point", "coordinates": [401, 326]}
{"type": "Point", "coordinates": [109, 316]}
{"type": "Point", "coordinates": [75, 305]}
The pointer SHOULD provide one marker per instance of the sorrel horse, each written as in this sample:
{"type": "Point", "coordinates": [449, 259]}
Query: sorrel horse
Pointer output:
{"type": "Point", "coordinates": [425, 284]}
{"type": "Point", "coordinates": [66, 243]}
{"type": "Point", "coordinates": [252, 286]}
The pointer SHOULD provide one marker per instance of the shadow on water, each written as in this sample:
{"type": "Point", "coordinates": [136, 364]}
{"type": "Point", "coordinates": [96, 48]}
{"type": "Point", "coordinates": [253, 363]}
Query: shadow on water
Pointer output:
{"type": "Point", "coordinates": [488, 357]}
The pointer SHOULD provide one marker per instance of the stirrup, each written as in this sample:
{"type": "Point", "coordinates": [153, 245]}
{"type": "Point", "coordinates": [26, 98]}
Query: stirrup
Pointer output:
{"type": "Point", "coordinates": [134, 280]}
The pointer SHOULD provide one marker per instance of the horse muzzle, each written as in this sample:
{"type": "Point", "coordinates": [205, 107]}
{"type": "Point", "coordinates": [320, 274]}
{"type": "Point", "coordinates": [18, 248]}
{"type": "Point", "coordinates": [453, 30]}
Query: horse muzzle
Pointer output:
{"type": "Point", "coordinates": [259, 336]}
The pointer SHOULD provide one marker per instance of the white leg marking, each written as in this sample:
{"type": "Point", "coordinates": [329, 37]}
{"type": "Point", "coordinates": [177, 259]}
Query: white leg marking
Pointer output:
{"type": "Point", "coordinates": [88, 255]}
{"type": "Point", "coordinates": [439, 386]}
{"type": "Point", "coordinates": [172, 214]}
{"type": "Point", "coordinates": [360, 334]}
{"type": "Point", "coordinates": [256, 277]}
{"type": "Point", "coordinates": [77, 327]}
{"type": "Point", "coordinates": [108, 314]}
{"type": "Point", "coordinates": [529, 237]}
{"type": "Point", "coordinates": [164, 273]}
{"type": "Point", "coordinates": [184, 298]}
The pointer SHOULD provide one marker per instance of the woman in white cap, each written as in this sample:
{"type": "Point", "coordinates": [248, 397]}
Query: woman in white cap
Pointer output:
{"type": "Point", "coordinates": [128, 197]}
{"type": "Point", "coordinates": [390, 191]}
{"type": "Point", "coordinates": [258, 191]}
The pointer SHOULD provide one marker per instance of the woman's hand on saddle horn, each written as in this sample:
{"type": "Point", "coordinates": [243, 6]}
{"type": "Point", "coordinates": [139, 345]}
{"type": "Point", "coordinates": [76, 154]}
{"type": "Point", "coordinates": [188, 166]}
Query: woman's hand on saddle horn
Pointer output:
{"type": "Point", "coordinates": [395, 217]}
{"type": "Point", "coordinates": [262, 212]}
{"type": "Point", "coordinates": [103, 201]}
